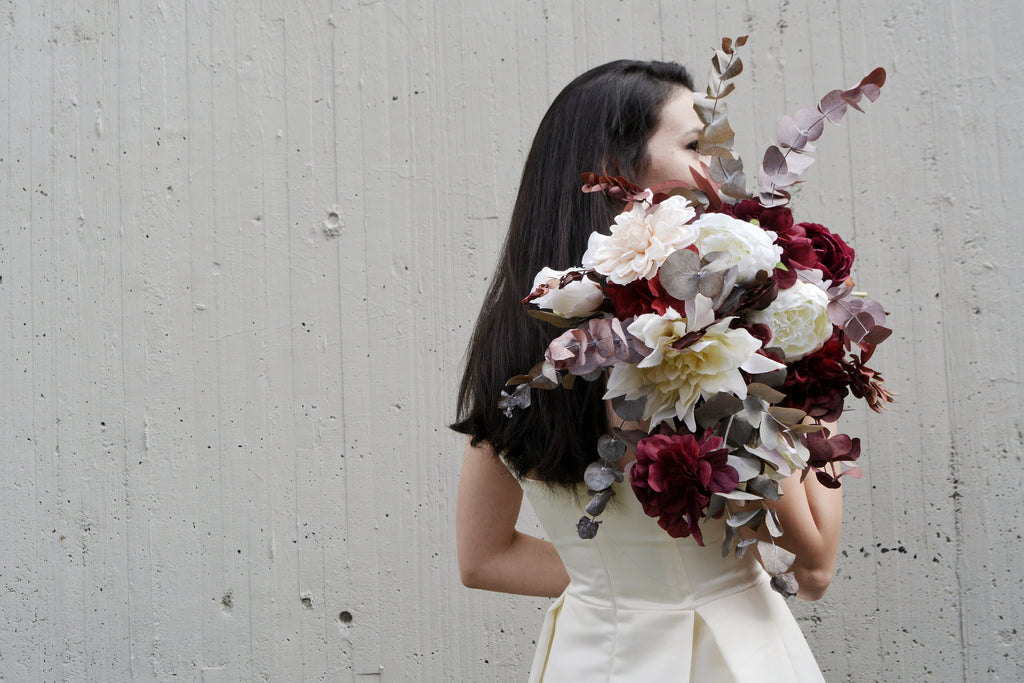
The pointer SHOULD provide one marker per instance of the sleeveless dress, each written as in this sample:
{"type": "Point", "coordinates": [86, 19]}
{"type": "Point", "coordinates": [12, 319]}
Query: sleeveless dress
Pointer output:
{"type": "Point", "coordinates": [643, 606]}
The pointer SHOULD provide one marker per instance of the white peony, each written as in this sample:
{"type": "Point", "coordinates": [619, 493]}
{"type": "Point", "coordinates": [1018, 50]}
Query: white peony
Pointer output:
{"type": "Point", "coordinates": [674, 380]}
{"type": "Point", "coordinates": [578, 299]}
{"type": "Point", "coordinates": [640, 242]}
{"type": "Point", "coordinates": [798, 319]}
{"type": "Point", "coordinates": [750, 248]}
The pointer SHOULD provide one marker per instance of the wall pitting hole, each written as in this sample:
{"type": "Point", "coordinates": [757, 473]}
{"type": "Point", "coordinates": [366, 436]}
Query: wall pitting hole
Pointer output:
{"type": "Point", "coordinates": [227, 602]}
{"type": "Point", "coordinates": [332, 225]}
{"type": "Point", "coordinates": [307, 600]}
{"type": "Point", "coordinates": [345, 617]}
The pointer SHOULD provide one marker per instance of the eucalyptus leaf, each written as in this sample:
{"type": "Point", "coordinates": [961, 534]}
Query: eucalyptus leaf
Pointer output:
{"type": "Point", "coordinates": [785, 584]}
{"type": "Point", "coordinates": [787, 416]}
{"type": "Point", "coordinates": [744, 517]}
{"type": "Point", "coordinates": [769, 433]}
{"type": "Point", "coordinates": [718, 407]}
{"type": "Point", "coordinates": [877, 335]}
{"type": "Point", "coordinates": [765, 392]}
{"type": "Point", "coordinates": [587, 527]}
{"type": "Point", "coordinates": [746, 468]}
{"type": "Point", "coordinates": [678, 274]}
{"type": "Point", "coordinates": [598, 476]}
{"type": "Point", "coordinates": [519, 398]}
{"type": "Point", "coordinates": [739, 495]}
{"type": "Point", "coordinates": [630, 410]}
{"type": "Point", "coordinates": [775, 378]}
{"type": "Point", "coordinates": [806, 429]}
{"type": "Point", "coordinates": [771, 521]}
{"type": "Point", "coordinates": [704, 107]}
{"type": "Point", "coordinates": [631, 437]}
{"type": "Point", "coordinates": [610, 449]}
{"type": "Point", "coordinates": [551, 318]}
{"type": "Point", "coordinates": [774, 559]}
{"type": "Point", "coordinates": [730, 537]}
{"type": "Point", "coordinates": [715, 505]}
{"type": "Point", "coordinates": [753, 410]}
{"type": "Point", "coordinates": [728, 288]}
{"type": "Point", "coordinates": [740, 432]}
{"type": "Point", "coordinates": [597, 504]}
{"type": "Point", "coordinates": [764, 486]}
{"type": "Point", "coordinates": [719, 133]}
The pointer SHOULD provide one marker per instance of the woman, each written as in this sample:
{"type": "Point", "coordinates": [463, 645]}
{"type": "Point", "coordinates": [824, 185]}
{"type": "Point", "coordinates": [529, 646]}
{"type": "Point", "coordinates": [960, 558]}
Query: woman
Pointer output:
{"type": "Point", "coordinates": [641, 605]}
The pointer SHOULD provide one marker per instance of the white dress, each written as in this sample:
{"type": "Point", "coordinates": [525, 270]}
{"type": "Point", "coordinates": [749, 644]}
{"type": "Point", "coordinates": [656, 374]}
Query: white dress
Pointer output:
{"type": "Point", "coordinates": [643, 606]}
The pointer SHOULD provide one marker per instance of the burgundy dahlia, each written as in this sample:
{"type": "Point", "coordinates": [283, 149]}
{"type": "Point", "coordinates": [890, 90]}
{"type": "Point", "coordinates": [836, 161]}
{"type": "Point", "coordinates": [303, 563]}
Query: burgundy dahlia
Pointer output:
{"type": "Point", "coordinates": [818, 384]}
{"type": "Point", "coordinates": [674, 476]}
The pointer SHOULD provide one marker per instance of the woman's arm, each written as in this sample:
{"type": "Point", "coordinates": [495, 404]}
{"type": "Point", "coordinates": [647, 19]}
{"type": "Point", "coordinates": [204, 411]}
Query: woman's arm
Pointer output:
{"type": "Point", "coordinates": [811, 515]}
{"type": "Point", "coordinates": [492, 554]}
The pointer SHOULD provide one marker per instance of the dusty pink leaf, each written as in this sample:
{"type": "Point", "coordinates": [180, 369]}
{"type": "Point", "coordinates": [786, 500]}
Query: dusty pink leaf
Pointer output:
{"type": "Point", "coordinates": [858, 327]}
{"type": "Point", "coordinates": [833, 106]}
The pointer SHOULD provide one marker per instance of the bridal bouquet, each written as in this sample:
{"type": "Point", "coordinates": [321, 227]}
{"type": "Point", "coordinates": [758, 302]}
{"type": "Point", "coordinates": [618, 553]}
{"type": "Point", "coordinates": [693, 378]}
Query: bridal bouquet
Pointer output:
{"type": "Point", "coordinates": [729, 331]}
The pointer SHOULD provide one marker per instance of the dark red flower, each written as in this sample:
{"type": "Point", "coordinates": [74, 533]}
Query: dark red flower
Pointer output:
{"type": "Point", "coordinates": [674, 476]}
{"type": "Point", "coordinates": [641, 296]}
{"type": "Point", "coordinates": [834, 255]}
{"type": "Point", "coordinates": [778, 219]}
{"type": "Point", "coordinates": [818, 383]}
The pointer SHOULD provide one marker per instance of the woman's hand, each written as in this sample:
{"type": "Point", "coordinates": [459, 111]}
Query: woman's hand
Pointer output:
{"type": "Point", "coordinates": [493, 555]}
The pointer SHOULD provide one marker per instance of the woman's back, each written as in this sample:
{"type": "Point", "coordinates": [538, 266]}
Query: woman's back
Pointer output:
{"type": "Point", "coordinates": [643, 606]}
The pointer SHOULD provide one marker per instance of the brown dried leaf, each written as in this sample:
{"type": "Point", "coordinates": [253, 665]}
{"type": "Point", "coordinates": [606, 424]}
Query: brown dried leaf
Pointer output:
{"type": "Point", "coordinates": [765, 392]}
{"type": "Point", "coordinates": [718, 89]}
{"type": "Point", "coordinates": [787, 416]}
{"type": "Point", "coordinates": [551, 318]}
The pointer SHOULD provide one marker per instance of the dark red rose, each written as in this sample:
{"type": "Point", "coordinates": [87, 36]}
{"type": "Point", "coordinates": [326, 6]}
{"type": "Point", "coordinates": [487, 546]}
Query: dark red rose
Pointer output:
{"type": "Point", "coordinates": [674, 476]}
{"type": "Point", "coordinates": [641, 296]}
{"type": "Point", "coordinates": [819, 383]}
{"type": "Point", "coordinates": [834, 256]}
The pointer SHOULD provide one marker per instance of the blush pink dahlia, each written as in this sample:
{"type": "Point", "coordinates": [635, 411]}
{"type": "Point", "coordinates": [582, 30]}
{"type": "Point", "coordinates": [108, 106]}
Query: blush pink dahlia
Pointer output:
{"type": "Point", "coordinates": [674, 476]}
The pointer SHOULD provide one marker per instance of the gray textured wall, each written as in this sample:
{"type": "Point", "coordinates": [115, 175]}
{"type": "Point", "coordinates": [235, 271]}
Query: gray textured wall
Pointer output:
{"type": "Point", "coordinates": [241, 249]}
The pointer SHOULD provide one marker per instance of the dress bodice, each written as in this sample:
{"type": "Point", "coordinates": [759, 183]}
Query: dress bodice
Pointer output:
{"type": "Point", "coordinates": [632, 560]}
{"type": "Point", "coordinates": [642, 606]}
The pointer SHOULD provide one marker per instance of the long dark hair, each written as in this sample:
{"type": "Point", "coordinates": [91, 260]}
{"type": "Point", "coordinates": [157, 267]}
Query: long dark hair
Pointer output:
{"type": "Point", "coordinates": [600, 122]}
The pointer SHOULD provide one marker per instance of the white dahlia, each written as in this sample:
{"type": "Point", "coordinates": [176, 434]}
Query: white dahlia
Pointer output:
{"type": "Point", "coordinates": [640, 242]}
{"type": "Point", "coordinates": [674, 380]}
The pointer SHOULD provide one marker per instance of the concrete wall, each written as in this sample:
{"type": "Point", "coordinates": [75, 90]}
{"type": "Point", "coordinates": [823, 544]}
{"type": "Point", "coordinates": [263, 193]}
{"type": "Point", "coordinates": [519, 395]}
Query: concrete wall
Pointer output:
{"type": "Point", "coordinates": [242, 245]}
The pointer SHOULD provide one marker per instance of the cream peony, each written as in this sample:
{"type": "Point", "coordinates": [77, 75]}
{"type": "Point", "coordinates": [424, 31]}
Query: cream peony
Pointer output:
{"type": "Point", "coordinates": [578, 299]}
{"type": "Point", "coordinates": [749, 247]}
{"type": "Point", "coordinates": [674, 380]}
{"type": "Point", "coordinates": [798, 319]}
{"type": "Point", "coordinates": [640, 242]}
